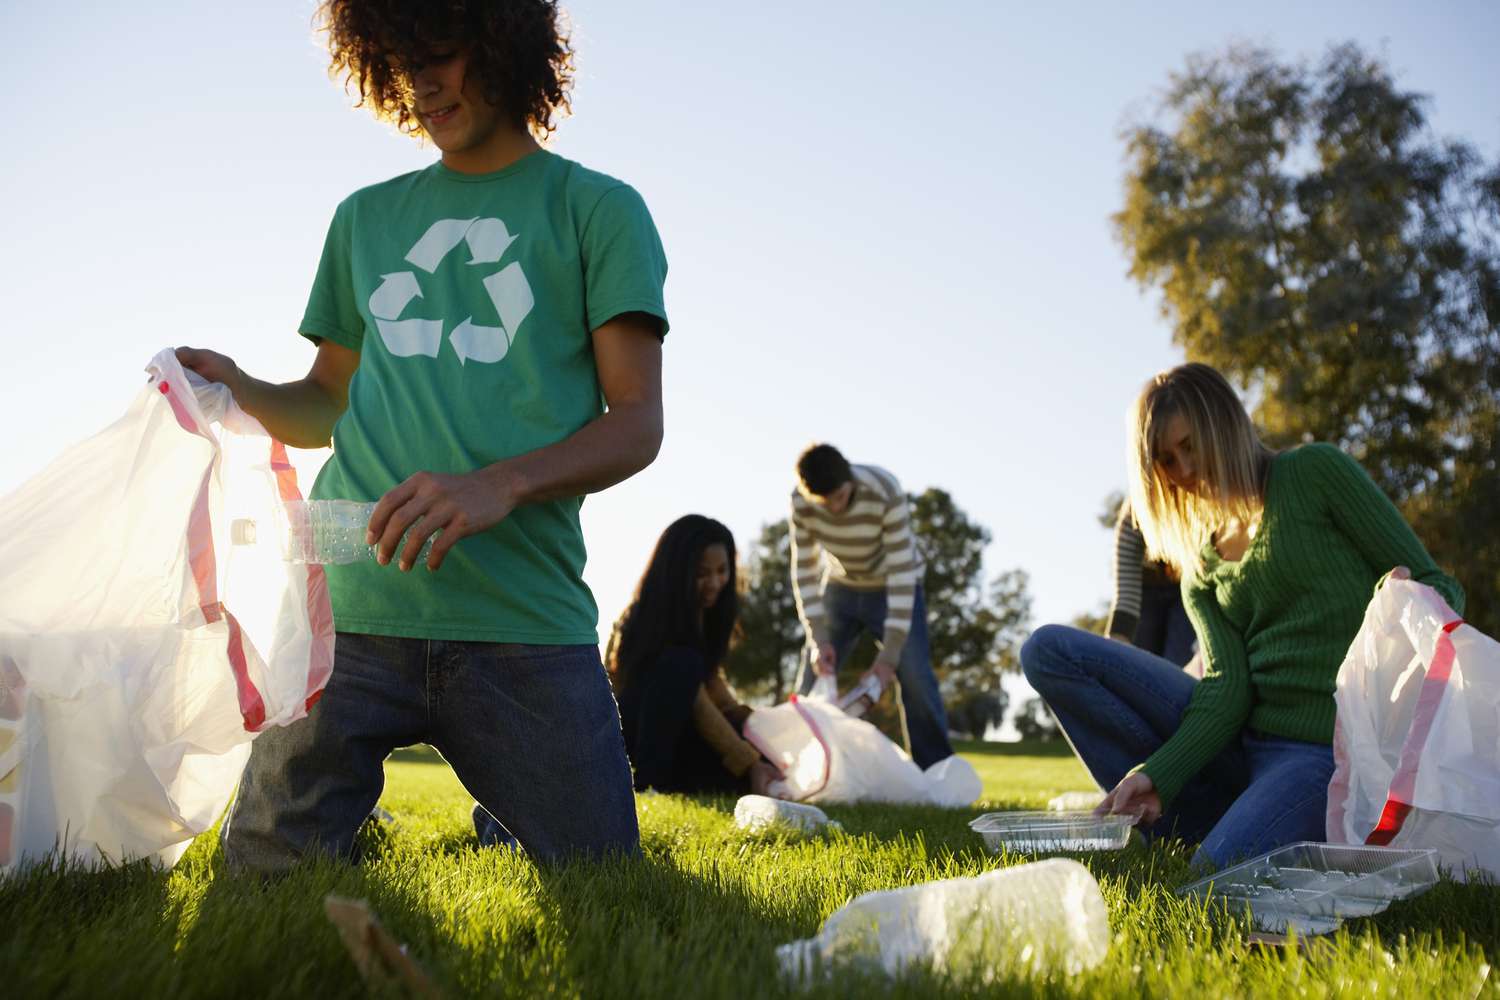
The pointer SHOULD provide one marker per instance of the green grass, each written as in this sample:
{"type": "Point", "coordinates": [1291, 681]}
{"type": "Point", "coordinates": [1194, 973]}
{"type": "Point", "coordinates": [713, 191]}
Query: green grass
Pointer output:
{"type": "Point", "coordinates": [699, 915]}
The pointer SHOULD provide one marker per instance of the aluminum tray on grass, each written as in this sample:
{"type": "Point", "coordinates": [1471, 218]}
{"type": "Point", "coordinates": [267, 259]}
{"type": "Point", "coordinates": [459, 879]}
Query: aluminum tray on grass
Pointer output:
{"type": "Point", "coordinates": [1311, 888]}
{"type": "Point", "coordinates": [1037, 832]}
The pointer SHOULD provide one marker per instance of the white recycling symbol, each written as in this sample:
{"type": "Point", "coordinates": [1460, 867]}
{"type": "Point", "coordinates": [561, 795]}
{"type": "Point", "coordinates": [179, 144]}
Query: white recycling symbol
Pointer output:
{"type": "Point", "coordinates": [488, 239]}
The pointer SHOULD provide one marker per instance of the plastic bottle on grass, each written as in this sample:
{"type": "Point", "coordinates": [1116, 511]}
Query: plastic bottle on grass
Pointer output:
{"type": "Point", "coordinates": [756, 812]}
{"type": "Point", "coordinates": [322, 531]}
{"type": "Point", "coordinates": [1042, 918]}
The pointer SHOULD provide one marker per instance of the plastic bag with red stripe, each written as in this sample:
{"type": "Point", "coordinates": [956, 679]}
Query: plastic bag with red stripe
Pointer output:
{"type": "Point", "coordinates": [146, 635]}
{"type": "Point", "coordinates": [828, 756]}
{"type": "Point", "coordinates": [1417, 736]}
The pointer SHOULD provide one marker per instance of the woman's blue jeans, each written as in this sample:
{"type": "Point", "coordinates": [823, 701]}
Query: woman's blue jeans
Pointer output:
{"type": "Point", "coordinates": [1118, 704]}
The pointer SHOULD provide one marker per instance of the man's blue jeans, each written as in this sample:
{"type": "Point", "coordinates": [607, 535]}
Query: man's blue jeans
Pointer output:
{"type": "Point", "coordinates": [1118, 704]}
{"type": "Point", "coordinates": [851, 612]}
{"type": "Point", "coordinates": [531, 731]}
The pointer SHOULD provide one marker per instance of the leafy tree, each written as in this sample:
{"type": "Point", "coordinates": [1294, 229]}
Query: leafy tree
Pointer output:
{"type": "Point", "coordinates": [1035, 722]}
{"type": "Point", "coordinates": [1092, 621]}
{"type": "Point", "coordinates": [973, 714]}
{"type": "Point", "coordinates": [975, 632]}
{"type": "Point", "coordinates": [1110, 513]}
{"type": "Point", "coordinates": [1313, 241]}
{"type": "Point", "coordinates": [765, 658]}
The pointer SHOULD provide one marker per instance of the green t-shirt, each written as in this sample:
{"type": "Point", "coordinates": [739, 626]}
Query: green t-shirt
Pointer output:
{"type": "Point", "coordinates": [471, 298]}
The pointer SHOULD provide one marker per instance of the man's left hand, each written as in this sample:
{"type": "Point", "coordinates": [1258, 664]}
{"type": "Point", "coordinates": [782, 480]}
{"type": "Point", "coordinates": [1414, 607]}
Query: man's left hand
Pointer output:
{"type": "Point", "coordinates": [458, 506]}
{"type": "Point", "coordinates": [884, 671]}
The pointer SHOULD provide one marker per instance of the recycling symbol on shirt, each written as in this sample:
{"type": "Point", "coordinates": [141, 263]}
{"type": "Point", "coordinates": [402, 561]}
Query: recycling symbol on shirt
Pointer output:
{"type": "Point", "coordinates": [487, 240]}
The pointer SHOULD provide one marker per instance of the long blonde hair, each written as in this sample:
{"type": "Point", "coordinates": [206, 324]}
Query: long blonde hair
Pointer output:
{"type": "Point", "coordinates": [1229, 460]}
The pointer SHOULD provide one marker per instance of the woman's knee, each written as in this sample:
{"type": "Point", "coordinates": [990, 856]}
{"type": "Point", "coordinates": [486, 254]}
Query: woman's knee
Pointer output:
{"type": "Point", "coordinates": [1042, 654]}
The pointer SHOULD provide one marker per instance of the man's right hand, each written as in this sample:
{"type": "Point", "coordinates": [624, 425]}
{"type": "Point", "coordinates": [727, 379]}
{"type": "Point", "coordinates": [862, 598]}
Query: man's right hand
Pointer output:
{"type": "Point", "coordinates": [213, 366]}
{"type": "Point", "coordinates": [827, 659]}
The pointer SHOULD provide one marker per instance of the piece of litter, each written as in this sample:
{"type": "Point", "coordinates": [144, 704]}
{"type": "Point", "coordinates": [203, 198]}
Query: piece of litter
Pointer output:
{"type": "Point", "coordinates": [1311, 888]}
{"type": "Point", "coordinates": [1034, 832]}
{"type": "Point", "coordinates": [382, 961]}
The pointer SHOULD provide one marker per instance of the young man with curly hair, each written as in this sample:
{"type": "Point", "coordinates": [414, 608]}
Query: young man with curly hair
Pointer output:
{"type": "Point", "coordinates": [467, 319]}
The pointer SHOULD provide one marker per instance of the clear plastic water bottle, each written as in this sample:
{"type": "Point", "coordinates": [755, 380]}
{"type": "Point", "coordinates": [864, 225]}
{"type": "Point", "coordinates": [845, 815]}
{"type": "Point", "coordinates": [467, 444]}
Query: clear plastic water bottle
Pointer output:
{"type": "Point", "coordinates": [861, 697]}
{"type": "Point", "coordinates": [756, 812]}
{"type": "Point", "coordinates": [1039, 918]}
{"type": "Point", "coordinates": [322, 531]}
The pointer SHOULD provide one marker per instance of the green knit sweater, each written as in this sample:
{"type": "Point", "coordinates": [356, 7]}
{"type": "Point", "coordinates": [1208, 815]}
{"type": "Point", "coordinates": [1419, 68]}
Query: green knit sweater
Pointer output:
{"type": "Point", "coordinates": [1275, 625]}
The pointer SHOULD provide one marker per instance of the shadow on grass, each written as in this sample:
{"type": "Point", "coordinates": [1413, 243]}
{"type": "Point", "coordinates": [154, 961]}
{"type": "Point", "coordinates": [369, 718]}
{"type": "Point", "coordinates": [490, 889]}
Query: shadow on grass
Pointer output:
{"type": "Point", "coordinates": [650, 927]}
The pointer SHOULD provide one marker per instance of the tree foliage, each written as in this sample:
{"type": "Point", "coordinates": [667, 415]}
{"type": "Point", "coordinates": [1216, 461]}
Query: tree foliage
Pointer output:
{"type": "Point", "coordinates": [1311, 239]}
{"type": "Point", "coordinates": [1035, 722]}
{"type": "Point", "coordinates": [766, 656]}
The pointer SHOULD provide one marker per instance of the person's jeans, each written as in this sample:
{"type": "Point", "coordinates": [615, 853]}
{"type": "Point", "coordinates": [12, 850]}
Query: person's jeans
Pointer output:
{"type": "Point", "coordinates": [531, 731]}
{"type": "Point", "coordinates": [851, 612]}
{"type": "Point", "coordinates": [1164, 627]}
{"type": "Point", "coordinates": [1118, 704]}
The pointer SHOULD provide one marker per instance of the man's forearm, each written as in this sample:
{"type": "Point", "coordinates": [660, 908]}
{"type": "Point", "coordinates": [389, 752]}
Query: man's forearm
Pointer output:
{"type": "Point", "coordinates": [300, 413]}
{"type": "Point", "coordinates": [608, 450]}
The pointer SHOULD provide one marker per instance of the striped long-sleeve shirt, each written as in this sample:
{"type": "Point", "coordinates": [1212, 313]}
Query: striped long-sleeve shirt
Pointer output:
{"type": "Point", "coordinates": [869, 546]}
{"type": "Point", "coordinates": [1132, 573]}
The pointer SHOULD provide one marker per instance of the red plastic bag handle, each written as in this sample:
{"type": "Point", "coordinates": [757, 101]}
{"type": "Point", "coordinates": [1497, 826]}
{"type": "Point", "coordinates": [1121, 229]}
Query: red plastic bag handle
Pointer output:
{"type": "Point", "coordinates": [1404, 781]}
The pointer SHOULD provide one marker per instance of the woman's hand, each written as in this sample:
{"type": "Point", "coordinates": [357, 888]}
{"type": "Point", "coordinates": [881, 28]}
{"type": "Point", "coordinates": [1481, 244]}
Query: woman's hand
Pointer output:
{"type": "Point", "coordinates": [1136, 796]}
{"type": "Point", "coordinates": [762, 774]}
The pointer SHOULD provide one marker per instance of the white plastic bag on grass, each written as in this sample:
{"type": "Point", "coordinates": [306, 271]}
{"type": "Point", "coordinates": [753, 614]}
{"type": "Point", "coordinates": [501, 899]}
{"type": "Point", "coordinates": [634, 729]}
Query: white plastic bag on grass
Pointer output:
{"type": "Point", "coordinates": [828, 756]}
{"type": "Point", "coordinates": [146, 633]}
{"type": "Point", "coordinates": [1417, 738]}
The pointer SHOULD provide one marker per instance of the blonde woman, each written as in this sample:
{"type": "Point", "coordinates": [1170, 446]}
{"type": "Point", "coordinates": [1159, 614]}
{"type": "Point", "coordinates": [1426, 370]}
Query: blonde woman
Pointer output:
{"type": "Point", "coordinates": [1279, 553]}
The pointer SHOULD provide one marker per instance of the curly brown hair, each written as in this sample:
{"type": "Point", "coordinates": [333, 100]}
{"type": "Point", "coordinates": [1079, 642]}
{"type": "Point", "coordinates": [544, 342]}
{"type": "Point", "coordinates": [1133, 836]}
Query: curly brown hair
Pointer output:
{"type": "Point", "coordinates": [519, 50]}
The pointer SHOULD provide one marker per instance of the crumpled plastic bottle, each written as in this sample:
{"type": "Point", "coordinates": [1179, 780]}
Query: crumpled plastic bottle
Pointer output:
{"type": "Point", "coordinates": [1041, 918]}
{"type": "Point", "coordinates": [756, 812]}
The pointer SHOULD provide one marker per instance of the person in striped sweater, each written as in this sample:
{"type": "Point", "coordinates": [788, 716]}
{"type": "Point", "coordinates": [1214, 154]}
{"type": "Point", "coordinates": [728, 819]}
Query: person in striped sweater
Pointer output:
{"type": "Point", "coordinates": [1279, 555]}
{"type": "Point", "coordinates": [1147, 608]}
{"type": "Point", "coordinates": [856, 569]}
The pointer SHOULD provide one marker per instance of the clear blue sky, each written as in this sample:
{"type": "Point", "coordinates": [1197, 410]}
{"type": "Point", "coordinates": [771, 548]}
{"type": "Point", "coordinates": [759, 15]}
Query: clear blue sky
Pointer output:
{"type": "Point", "coordinates": [887, 226]}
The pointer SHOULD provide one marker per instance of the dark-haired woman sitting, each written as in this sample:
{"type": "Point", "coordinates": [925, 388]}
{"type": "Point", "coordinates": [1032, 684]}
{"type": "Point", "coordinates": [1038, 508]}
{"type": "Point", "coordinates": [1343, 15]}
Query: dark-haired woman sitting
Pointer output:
{"type": "Point", "coordinates": [682, 724]}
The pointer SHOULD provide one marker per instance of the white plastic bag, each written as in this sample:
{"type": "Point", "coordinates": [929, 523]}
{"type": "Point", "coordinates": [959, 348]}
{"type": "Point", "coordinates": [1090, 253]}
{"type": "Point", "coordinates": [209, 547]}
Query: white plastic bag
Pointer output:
{"type": "Point", "coordinates": [827, 756]}
{"type": "Point", "coordinates": [1417, 738]}
{"type": "Point", "coordinates": [141, 648]}
{"type": "Point", "coordinates": [825, 688]}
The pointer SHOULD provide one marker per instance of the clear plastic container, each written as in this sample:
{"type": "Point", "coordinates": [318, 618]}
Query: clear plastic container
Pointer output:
{"type": "Point", "coordinates": [1312, 888]}
{"type": "Point", "coordinates": [1037, 832]}
{"type": "Point", "coordinates": [757, 812]}
{"type": "Point", "coordinates": [321, 531]}
{"type": "Point", "coordinates": [1038, 918]}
